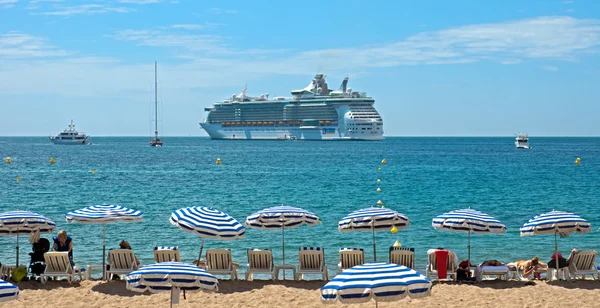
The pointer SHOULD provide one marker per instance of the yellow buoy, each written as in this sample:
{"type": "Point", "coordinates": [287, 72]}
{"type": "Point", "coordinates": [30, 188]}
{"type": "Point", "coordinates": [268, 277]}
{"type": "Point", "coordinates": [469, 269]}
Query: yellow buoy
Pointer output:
{"type": "Point", "coordinates": [397, 245]}
{"type": "Point", "coordinates": [378, 181]}
{"type": "Point", "coordinates": [578, 160]}
{"type": "Point", "coordinates": [218, 161]}
{"type": "Point", "coordinates": [378, 189]}
{"type": "Point", "coordinates": [379, 168]}
{"type": "Point", "coordinates": [8, 160]}
{"type": "Point", "coordinates": [51, 160]}
{"type": "Point", "coordinates": [384, 161]}
{"type": "Point", "coordinates": [379, 202]}
{"type": "Point", "coordinates": [18, 179]}
{"type": "Point", "coordinates": [383, 206]}
{"type": "Point", "coordinates": [94, 171]}
{"type": "Point", "coordinates": [394, 229]}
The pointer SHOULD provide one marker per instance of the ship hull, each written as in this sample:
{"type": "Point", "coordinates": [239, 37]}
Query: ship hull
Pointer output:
{"type": "Point", "coordinates": [217, 132]}
{"type": "Point", "coordinates": [69, 142]}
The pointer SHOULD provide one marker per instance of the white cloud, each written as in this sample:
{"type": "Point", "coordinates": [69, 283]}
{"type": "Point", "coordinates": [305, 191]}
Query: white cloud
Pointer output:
{"type": "Point", "coordinates": [17, 45]}
{"type": "Point", "coordinates": [86, 9]}
{"type": "Point", "coordinates": [139, 1]}
{"type": "Point", "coordinates": [188, 26]}
{"type": "Point", "coordinates": [7, 3]}
{"type": "Point", "coordinates": [549, 68]}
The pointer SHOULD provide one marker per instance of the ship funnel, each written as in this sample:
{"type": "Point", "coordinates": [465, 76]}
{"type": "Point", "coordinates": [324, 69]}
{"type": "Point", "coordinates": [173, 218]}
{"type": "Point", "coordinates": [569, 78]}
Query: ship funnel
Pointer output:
{"type": "Point", "coordinates": [344, 85]}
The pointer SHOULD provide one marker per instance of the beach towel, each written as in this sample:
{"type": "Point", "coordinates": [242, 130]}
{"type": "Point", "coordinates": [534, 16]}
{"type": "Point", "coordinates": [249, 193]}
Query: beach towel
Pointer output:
{"type": "Point", "coordinates": [441, 257]}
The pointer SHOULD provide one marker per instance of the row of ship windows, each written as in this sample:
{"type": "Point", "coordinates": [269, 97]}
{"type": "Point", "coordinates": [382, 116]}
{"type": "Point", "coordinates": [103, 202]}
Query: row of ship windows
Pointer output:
{"type": "Point", "coordinates": [271, 123]}
{"type": "Point", "coordinates": [364, 128]}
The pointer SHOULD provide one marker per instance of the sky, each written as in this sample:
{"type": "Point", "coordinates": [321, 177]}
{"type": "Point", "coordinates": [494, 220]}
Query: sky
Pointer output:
{"type": "Point", "coordinates": [435, 68]}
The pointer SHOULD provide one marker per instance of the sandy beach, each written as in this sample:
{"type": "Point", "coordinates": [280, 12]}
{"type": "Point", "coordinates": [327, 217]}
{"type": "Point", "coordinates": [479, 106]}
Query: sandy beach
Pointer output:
{"type": "Point", "coordinates": [306, 294]}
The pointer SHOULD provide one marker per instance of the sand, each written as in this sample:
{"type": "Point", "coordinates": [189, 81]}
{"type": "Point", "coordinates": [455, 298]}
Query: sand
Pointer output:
{"type": "Point", "coordinates": [306, 294]}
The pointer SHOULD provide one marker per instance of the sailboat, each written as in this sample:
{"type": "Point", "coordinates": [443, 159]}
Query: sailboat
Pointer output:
{"type": "Point", "coordinates": [156, 142]}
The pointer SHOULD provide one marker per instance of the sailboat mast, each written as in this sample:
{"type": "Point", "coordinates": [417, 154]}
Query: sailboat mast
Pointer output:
{"type": "Point", "coordinates": [155, 101]}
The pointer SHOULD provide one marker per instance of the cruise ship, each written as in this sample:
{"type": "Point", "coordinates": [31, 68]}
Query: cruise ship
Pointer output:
{"type": "Point", "coordinates": [313, 113]}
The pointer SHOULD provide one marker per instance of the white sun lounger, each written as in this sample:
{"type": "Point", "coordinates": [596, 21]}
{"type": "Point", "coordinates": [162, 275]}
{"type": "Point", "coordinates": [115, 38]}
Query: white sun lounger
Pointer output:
{"type": "Point", "coordinates": [498, 271]}
{"type": "Point", "coordinates": [350, 257]}
{"type": "Point", "coordinates": [582, 264]}
{"type": "Point", "coordinates": [260, 261]}
{"type": "Point", "coordinates": [451, 266]}
{"type": "Point", "coordinates": [219, 262]}
{"type": "Point", "coordinates": [166, 254]}
{"type": "Point", "coordinates": [121, 261]}
{"type": "Point", "coordinates": [59, 265]}
{"type": "Point", "coordinates": [311, 261]}
{"type": "Point", "coordinates": [403, 256]}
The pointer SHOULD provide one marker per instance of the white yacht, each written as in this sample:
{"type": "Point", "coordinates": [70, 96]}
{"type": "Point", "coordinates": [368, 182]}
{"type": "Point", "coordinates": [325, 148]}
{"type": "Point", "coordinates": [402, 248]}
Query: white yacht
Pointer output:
{"type": "Point", "coordinates": [522, 141]}
{"type": "Point", "coordinates": [313, 113]}
{"type": "Point", "coordinates": [70, 136]}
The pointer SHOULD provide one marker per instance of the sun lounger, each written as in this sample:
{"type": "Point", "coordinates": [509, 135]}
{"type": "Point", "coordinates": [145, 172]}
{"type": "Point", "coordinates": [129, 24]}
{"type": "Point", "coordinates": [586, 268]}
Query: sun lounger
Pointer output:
{"type": "Point", "coordinates": [498, 271]}
{"type": "Point", "coordinates": [582, 264]}
{"type": "Point", "coordinates": [403, 256]}
{"type": "Point", "coordinates": [260, 261]}
{"type": "Point", "coordinates": [166, 254]}
{"type": "Point", "coordinates": [432, 269]}
{"type": "Point", "coordinates": [350, 257]}
{"type": "Point", "coordinates": [219, 262]}
{"type": "Point", "coordinates": [121, 261]}
{"type": "Point", "coordinates": [59, 265]}
{"type": "Point", "coordinates": [311, 261]}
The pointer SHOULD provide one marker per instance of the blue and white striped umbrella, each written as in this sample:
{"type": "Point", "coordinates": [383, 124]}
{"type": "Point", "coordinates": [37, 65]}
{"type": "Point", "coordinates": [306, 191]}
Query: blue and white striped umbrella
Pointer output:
{"type": "Point", "coordinates": [281, 218]}
{"type": "Point", "coordinates": [468, 221]}
{"type": "Point", "coordinates": [24, 223]}
{"type": "Point", "coordinates": [207, 222]}
{"type": "Point", "coordinates": [554, 222]}
{"type": "Point", "coordinates": [104, 214]}
{"type": "Point", "coordinates": [383, 282]}
{"type": "Point", "coordinates": [171, 276]}
{"type": "Point", "coordinates": [8, 291]}
{"type": "Point", "coordinates": [373, 219]}
{"type": "Point", "coordinates": [557, 223]}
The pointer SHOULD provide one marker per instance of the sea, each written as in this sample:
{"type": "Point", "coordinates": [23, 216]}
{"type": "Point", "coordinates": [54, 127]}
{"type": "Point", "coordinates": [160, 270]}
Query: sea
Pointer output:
{"type": "Point", "coordinates": [423, 177]}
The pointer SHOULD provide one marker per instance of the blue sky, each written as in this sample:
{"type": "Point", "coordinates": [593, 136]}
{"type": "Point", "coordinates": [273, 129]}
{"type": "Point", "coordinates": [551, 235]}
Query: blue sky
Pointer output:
{"type": "Point", "coordinates": [435, 68]}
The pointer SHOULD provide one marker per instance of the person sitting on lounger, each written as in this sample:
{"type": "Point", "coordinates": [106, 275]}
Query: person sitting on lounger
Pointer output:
{"type": "Point", "coordinates": [63, 242]}
{"type": "Point", "coordinates": [529, 266]}
{"type": "Point", "coordinates": [562, 262]}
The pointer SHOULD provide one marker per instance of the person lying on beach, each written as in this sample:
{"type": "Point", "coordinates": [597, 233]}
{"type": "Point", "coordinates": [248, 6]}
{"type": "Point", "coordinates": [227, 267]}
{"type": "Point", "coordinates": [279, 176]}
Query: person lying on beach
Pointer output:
{"type": "Point", "coordinates": [63, 242]}
{"type": "Point", "coordinates": [492, 263]}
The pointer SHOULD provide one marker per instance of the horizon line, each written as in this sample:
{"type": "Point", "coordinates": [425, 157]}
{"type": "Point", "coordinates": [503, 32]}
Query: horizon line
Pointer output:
{"type": "Point", "coordinates": [391, 136]}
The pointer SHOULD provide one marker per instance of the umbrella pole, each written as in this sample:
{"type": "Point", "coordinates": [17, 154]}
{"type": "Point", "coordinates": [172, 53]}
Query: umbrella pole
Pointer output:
{"type": "Point", "coordinates": [17, 264]}
{"type": "Point", "coordinates": [104, 254]}
{"type": "Point", "coordinates": [374, 245]}
{"type": "Point", "coordinates": [283, 248]}
{"type": "Point", "coordinates": [469, 251]}
{"type": "Point", "coordinates": [200, 255]}
{"type": "Point", "coordinates": [556, 254]}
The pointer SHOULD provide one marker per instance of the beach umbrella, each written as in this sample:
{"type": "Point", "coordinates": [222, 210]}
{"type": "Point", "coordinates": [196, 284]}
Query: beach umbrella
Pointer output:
{"type": "Point", "coordinates": [104, 214]}
{"type": "Point", "coordinates": [17, 223]}
{"type": "Point", "coordinates": [8, 291]}
{"type": "Point", "coordinates": [382, 282]}
{"type": "Point", "coordinates": [557, 223]}
{"type": "Point", "coordinates": [281, 218]}
{"type": "Point", "coordinates": [373, 219]}
{"type": "Point", "coordinates": [171, 276]}
{"type": "Point", "coordinates": [207, 223]}
{"type": "Point", "coordinates": [468, 221]}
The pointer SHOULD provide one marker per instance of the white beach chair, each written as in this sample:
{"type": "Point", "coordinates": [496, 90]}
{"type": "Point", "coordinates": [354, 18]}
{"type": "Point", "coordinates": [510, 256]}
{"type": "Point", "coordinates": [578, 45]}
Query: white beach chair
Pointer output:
{"type": "Point", "coordinates": [502, 272]}
{"type": "Point", "coordinates": [311, 261]}
{"type": "Point", "coordinates": [121, 261]}
{"type": "Point", "coordinates": [582, 264]}
{"type": "Point", "coordinates": [350, 257]}
{"type": "Point", "coordinates": [260, 261]}
{"type": "Point", "coordinates": [166, 254]}
{"type": "Point", "coordinates": [219, 262]}
{"type": "Point", "coordinates": [403, 256]}
{"type": "Point", "coordinates": [451, 266]}
{"type": "Point", "coordinates": [58, 265]}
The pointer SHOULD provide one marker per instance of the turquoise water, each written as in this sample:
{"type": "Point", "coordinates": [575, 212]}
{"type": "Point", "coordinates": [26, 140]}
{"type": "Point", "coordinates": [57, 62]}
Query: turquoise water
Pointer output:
{"type": "Point", "coordinates": [424, 177]}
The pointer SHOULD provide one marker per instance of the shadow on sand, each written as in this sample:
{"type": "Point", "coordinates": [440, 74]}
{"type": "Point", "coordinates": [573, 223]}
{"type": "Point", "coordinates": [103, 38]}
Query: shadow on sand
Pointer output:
{"type": "Point", "coordinates": [491, 284]}
{"type": "Point", "coordinates": [576, 284]}
{"type": "Point", "coordinates": [228, 287]}
{"type": "Point", "coordinates": [116, 287]}
{"type": "Point", "coordinates": [36, 285]}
